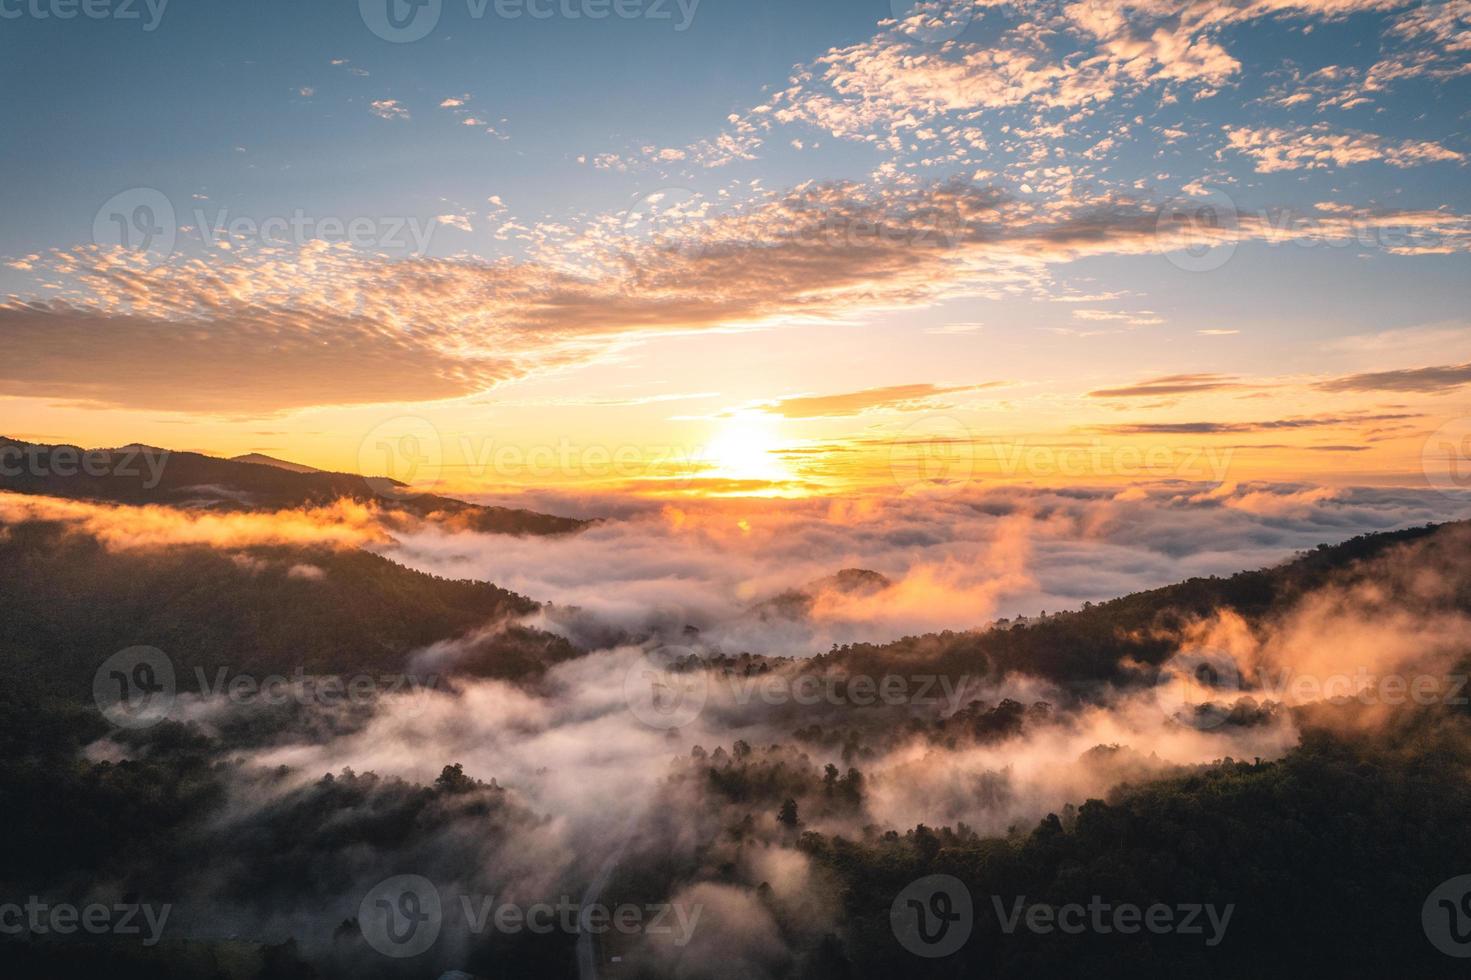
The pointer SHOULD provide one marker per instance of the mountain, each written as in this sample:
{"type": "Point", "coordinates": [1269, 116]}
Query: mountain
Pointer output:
{"type": "Point", "coordinates": [261, 459]}
{"type": "Point", "coordinates": [1111, 642]}
{"type": "Point", "coordinates": [796, 604]}
{"type": "Point", "coordinates": [1365, 801]}
{"type": "Point", "coordinates": [140, 475]}
{"type": "Point", "coordinates": [71, 603]}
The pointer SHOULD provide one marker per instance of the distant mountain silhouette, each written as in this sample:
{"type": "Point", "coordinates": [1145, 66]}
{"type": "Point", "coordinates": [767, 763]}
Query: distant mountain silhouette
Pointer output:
{"type": "Point", "coordinates": [137, 474]}
{"type": "Point", "coordinates": [261, 459]}
{"type": "Point", "coordinates": [853, 583]}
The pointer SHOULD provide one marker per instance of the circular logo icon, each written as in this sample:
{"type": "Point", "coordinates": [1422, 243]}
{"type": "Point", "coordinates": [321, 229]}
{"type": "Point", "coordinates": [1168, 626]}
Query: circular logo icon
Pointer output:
{"type": "Point", "coordinates": [936, 453]}
{"type": "Point", "coordinates": [139, 220]}
{"type": "Point", "coordinates": [661, 215]}
{"type": "Point", "coordinates": [134, 688]}
{"type": "Point", "coordinates": [401, 21]}
{"type": "Point", "coordinates": [1198, 687]}
{"type": "Point", "coordinates": [1446, 456]}
{"type": "Point", "coordinates": [662, 696]}
{"type": "Point", "coordinates": [1198, 233]}
{"type": "Point", "coordinates": [933, 21]}
{"type": "Point", "coordinates": [933, 916]}
{"type": "Point", "coordinates": [400, 454]}
{"type": "Point", "coordinates": [1446, 916]}
{"type": "Point", "coordinates": [401, 917]}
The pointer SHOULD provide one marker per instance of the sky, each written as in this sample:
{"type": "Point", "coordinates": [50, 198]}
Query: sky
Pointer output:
{"type": "Point", "coordinates": [717, 247]}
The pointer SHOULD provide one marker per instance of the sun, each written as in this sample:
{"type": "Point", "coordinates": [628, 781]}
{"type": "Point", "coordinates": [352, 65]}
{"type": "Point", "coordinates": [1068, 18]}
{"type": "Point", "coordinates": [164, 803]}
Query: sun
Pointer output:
{"type": "Point", "coordinates": [744, 448]}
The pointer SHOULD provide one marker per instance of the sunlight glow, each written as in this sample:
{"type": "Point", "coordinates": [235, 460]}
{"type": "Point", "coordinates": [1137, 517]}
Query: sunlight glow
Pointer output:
{"type": "Point", "coordinates": [742, 449]}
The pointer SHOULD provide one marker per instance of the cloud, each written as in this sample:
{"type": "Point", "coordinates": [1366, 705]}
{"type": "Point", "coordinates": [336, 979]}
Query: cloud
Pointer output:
{"type": "Point", "coordinates": [894, 398]}
{"type": "Point", "coordinates": [238, 361]}
{"type": "Point", "coordinates": [1430, 380]}
{"type": "Point", "coordinates": [1205, 428]}
{"type": "Point", "coordinates": [344, 524]}
{"type": "Point", "coordinates": [1175, 384]}
{"type": "Point", "coordinates": [388, 109]}
{"type": "Point", "coordinates": [273, 328]}
{"type": "Point", "coordinates": [1317, 147]}
{"type": "Point", "coordinates": [954, 562]}
{"type": "Point", "coordinates": [586, 794]}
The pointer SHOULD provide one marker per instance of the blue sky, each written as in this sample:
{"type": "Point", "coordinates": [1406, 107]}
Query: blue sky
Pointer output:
{"type": "Point", "coordinates": [606, 205]}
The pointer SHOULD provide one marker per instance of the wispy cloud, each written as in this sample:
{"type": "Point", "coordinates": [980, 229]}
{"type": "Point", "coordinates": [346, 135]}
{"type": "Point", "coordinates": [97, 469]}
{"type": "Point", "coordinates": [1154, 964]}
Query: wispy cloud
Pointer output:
{"type": "Point", "coordinates": [1432, 380]}
{"type": "Point", "coordinates": [1175, 384]}
{"type": "Point", "coordinates": [894, 398]}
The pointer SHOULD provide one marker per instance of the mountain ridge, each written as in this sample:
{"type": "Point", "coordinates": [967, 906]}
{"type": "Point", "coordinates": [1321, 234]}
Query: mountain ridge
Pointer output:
{"type": "Point", "coordinates": [139, 475]}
